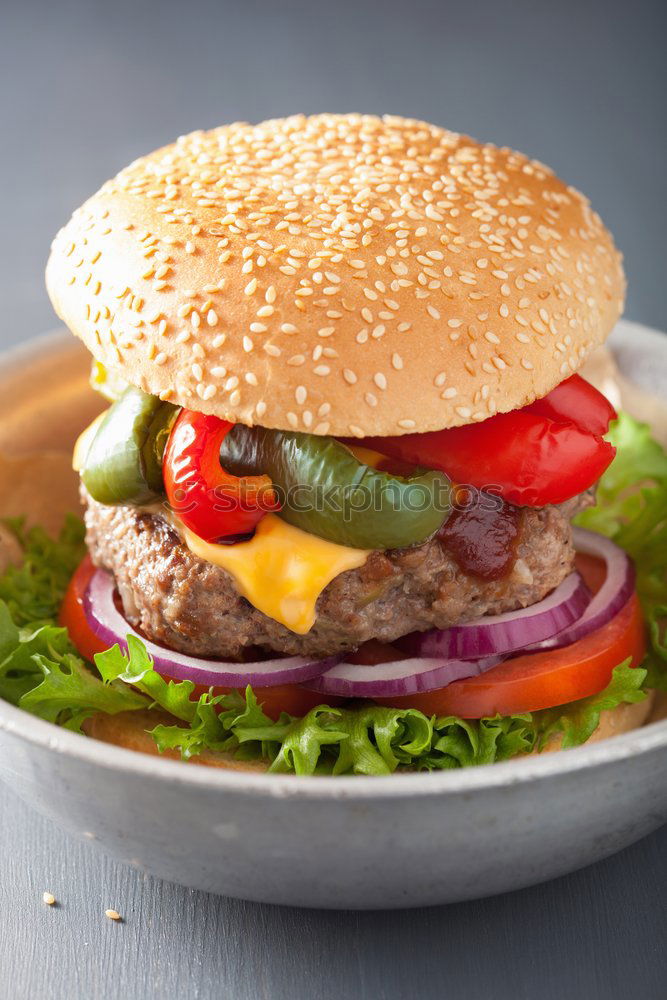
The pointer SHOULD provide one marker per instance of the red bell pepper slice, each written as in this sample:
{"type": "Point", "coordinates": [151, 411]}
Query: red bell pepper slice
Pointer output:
{"type": "Point", "coordinates": [545, 453]}
{"type": "Point", "coordinates": [210, 502]}
{"type": "Point", "coordinates": [577, 401]}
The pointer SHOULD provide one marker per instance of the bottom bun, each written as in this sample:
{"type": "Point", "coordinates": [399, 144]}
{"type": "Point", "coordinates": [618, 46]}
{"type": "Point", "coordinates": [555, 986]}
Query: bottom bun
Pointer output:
{"type": "Point", "coordinates": [131, 730]}
{"type": "Point", "coordinates": [613, 722]}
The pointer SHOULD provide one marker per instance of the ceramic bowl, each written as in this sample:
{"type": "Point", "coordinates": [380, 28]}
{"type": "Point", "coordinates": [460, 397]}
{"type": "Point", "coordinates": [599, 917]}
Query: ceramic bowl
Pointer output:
{"type": "Point", "coordinates": [354, 842]}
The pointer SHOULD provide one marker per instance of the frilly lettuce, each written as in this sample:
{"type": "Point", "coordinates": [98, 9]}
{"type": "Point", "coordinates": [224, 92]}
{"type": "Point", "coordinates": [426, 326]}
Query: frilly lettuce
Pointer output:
{"type": "Point", "coordinates": [631, 509]}
{"type": "Point", "coordinates": [41, 672]}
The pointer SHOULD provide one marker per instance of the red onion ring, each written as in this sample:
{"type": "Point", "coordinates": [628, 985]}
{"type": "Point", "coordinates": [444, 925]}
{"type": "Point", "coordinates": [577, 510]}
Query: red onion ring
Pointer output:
{"type": "Point", "coordinates": [111, 627]}
{"type": "Point", "coordinates": [505, 633]}
{"type": "Point", "coordinates": [396, 678]}
{"type": "Point", "coordinates": [615, 592]}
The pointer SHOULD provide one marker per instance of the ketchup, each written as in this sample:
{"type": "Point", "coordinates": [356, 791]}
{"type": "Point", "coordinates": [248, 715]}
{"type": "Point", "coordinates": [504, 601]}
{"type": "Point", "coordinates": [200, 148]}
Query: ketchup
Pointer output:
{"type": "Point", "coordinates": [483, 538]}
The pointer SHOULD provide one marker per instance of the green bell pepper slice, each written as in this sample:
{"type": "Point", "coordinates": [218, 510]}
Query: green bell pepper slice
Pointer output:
{"type": "Point", "coordinates": [124, 460]}
{"type": "Point", "coordinates": [325, 490]}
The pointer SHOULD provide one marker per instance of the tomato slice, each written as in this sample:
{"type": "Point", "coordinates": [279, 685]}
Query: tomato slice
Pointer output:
{"type": "Point", "coordinates": [541, 680]}
{"type": "Point", "coordinates": [592, 569]}
{"type": "Point", "coordinates": [73, 617]}
{"type": "Point", "coordinates": [282, 698]}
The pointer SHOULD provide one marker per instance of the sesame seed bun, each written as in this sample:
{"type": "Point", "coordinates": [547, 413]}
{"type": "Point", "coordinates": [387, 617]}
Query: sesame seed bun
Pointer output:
{"type": "Point", "coordinates": [132, 731]}
{"type": "Point", "coordinates": [338, 274]}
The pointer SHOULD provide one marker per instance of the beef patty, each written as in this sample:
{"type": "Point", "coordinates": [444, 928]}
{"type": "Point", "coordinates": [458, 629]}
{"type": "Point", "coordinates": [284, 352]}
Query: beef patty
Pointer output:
{"type": "Point", "coordinates": [183, 602]}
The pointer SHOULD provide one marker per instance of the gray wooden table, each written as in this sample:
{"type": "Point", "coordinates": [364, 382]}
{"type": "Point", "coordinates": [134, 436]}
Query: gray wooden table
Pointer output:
{"type": "Point", "coordinates": [84, 87]}
{"type": "Point", "coordinates": [599, 933]}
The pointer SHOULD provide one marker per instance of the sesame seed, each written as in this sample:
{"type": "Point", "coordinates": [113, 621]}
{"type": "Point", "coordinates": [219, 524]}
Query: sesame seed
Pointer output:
{"type": "Point", "coordinates": [48, 898]}
{"type": "Point", "coordinates": [113, 915]}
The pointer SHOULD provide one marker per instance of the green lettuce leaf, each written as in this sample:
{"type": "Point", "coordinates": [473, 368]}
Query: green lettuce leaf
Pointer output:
{"type": "Point", "coordinates": [632, 511]}
{"type": "Point", "coordinates": [578, 721]}
{"type": "Point", "coordinates": [469, 742]}
{"type": "Point", "coordinates": [70, 693]}
{"type": "Point", "coordinates": [136, 669]}
{"type": "Point", "coordinates": [204, 732]}
{"type": "Point", "coordinates": [41, 671]}
{"type": "Point", "coordinates": [33, 591]}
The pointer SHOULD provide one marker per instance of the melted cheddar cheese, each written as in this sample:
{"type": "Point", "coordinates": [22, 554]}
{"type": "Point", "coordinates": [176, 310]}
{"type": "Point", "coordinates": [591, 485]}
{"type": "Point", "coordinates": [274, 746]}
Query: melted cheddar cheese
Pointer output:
{"type": "Point", "coordinates": [281, 570]}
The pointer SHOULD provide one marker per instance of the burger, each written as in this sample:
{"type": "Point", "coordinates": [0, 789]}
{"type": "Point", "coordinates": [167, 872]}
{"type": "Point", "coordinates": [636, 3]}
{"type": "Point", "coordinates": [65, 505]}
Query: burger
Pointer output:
{"type": "Point", "coordinates": [329, 503]}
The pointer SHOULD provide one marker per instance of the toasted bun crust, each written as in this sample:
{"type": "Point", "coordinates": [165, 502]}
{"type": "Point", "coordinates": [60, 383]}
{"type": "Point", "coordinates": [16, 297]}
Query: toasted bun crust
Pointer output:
{"type": "Point", "coordinates": [338, 274]}
{"type": "Point", "coordinates": [130, 730]}
{"type": "Point", "coordinates": [613, 722]}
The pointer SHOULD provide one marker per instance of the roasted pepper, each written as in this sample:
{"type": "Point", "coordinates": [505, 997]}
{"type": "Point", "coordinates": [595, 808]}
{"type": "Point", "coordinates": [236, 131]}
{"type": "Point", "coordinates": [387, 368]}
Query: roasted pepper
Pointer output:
{"type": "Point", "coordinates": [212, 503]}
{"type": "Point", "coordinates": [123, 463]}
{"type": "Point", "coordinates": [325, 490]}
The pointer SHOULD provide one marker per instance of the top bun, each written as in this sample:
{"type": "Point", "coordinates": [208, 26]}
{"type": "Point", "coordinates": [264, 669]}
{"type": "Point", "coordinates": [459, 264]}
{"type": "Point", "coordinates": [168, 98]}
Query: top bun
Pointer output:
{"type": "Point", "coordinates": [338, 274]}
